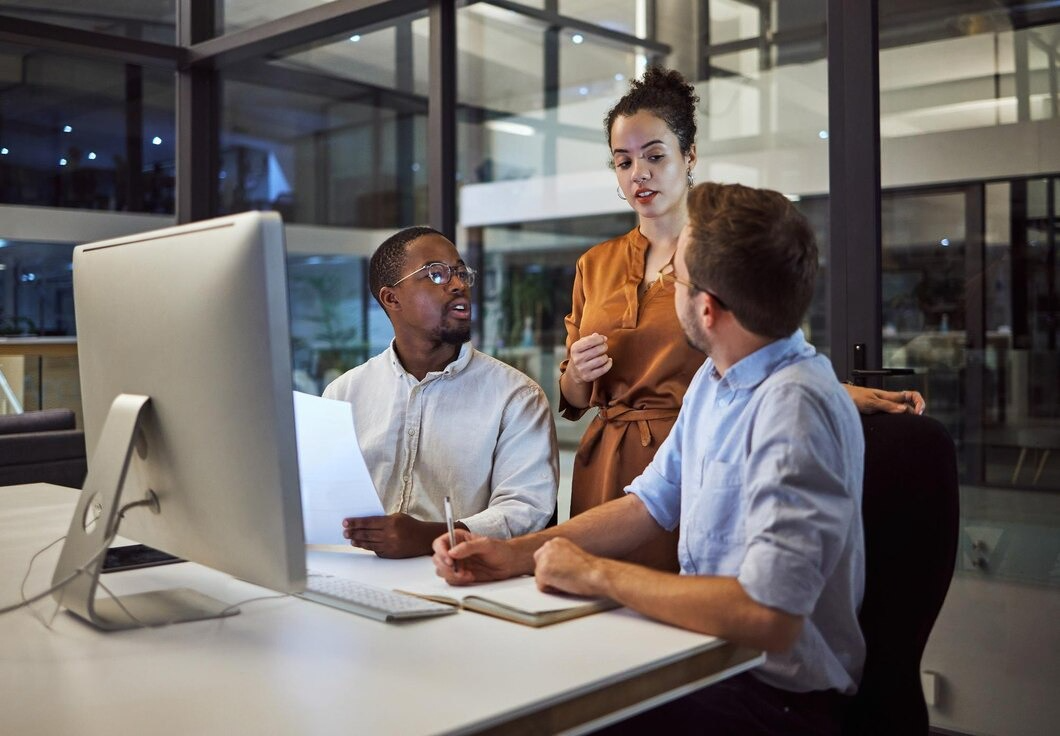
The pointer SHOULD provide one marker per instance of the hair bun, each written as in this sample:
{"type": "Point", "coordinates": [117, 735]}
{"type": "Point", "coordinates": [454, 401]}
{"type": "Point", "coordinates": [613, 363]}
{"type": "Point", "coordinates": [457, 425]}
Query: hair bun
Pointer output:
{"type": "Point", "coordinates": [666, 94]}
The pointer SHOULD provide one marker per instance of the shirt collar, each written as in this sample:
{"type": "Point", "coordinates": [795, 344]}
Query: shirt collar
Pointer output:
{"type": "Point", "coordinates": [751, 370]}
{"type": "Point", "coordinates": [457, 365]}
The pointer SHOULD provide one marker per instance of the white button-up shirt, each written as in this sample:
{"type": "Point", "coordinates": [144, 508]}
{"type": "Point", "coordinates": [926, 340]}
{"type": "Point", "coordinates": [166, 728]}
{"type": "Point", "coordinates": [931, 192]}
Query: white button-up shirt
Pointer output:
{"type": "Point", "coordinates": [478, 431]}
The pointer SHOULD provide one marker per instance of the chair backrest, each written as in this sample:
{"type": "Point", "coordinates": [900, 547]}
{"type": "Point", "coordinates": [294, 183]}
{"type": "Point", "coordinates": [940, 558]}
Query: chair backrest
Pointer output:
{"type": "Point", "coordinates": [44, 420]}
{"type": "Point", "coordinates": [910, 514]}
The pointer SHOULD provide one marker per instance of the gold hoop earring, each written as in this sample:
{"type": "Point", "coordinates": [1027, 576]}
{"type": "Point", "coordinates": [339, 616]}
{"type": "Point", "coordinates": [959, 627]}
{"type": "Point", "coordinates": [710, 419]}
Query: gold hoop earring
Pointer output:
{"type": "Point", "coordinates": [619, 190]}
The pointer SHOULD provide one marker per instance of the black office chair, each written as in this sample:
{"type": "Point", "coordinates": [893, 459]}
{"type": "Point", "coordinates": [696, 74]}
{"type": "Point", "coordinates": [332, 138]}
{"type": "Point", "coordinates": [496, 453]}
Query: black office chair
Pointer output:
{"type": "Point", "coordinates": [910, 513]}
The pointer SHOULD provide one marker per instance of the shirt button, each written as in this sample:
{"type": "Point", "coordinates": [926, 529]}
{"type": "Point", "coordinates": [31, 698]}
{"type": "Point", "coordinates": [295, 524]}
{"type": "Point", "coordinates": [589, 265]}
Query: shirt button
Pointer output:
{"type": "Point", "coordinates": [412, 433]}
{"type": "Point", "coordinates": [405, 478]}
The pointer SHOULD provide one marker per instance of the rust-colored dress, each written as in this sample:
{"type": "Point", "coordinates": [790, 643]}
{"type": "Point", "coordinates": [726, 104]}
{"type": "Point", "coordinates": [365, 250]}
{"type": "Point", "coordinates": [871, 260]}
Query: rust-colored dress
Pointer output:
{"type": "Point", "coordinates": [638, 399]}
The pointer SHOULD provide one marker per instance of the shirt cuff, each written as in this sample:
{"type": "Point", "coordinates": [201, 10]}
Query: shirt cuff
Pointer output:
{"type": "Point", "coordinates": [568, 410]}
{"type": "Point", "coordinates": [780, 579]}
{"type": "Point", "coordinates": [493, 522]}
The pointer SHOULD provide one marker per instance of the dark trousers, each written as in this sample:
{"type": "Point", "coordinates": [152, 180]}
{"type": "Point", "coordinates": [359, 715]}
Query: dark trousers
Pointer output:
{"type": "Point", "coordinates": [741, 706]}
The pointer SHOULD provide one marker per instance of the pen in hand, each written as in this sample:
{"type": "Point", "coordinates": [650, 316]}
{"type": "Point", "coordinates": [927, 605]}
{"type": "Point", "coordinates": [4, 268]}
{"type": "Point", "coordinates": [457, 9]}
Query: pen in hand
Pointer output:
{"type": "Point", "coordinates": [452, 531]}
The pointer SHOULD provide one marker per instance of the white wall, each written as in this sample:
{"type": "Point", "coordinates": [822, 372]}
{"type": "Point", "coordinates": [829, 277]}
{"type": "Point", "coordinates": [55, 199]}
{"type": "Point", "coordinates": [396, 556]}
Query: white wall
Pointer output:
{"type": "Point", "coordinates": [996, 647]}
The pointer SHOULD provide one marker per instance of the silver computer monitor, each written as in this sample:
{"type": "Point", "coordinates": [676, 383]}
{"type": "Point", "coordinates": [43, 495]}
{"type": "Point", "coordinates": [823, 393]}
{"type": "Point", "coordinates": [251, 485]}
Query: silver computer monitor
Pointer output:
{"type": "Point", "coordinates": [185, 361]}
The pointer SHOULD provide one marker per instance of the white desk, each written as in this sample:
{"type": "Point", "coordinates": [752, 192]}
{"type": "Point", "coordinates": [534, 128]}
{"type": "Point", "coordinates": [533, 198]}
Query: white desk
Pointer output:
{"type": "Point", "coordinates": [290, 666]}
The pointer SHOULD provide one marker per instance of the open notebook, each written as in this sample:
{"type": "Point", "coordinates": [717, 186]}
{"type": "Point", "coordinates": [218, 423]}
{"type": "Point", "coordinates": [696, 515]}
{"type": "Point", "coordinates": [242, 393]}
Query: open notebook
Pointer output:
{"type": "Point", "coordinates": [517, 599]}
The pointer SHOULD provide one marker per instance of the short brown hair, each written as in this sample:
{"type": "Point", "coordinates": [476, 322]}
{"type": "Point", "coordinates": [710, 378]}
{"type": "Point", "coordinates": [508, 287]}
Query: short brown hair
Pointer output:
{"type": "Point", "coordinates": [754, 250]}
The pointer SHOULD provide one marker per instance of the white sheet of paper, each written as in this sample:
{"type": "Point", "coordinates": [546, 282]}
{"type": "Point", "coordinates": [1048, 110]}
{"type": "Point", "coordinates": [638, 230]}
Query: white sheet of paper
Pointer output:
{"type": "Point", "coordinates": [335, 481]}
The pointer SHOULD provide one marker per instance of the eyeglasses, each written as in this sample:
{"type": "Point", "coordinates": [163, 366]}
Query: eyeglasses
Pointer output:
{"type": "Point", "coordinates": [670, 276]}
{"type": "Point", "coordinates": [442, 273]}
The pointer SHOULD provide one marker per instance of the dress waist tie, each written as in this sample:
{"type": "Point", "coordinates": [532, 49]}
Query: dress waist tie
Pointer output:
{"type": "Point", "coordinates": [623, 413]}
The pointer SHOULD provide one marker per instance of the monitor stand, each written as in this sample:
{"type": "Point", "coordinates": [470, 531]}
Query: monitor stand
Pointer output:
{"type": "Point", "coordinates": [96, 520]}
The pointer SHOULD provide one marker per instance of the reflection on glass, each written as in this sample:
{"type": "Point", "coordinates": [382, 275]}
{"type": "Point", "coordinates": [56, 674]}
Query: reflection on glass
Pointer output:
{"type": "Point", "coordinates": [36, 289]}
{"type": "Point", "coordinates": [328, 318]}
{"type": "Point", "coordinates": [145, 20]}
{"type": "Point", "coordinates": [625, 16]}
{"type": "Point", "coordinates": [731, 20]}
{"type": "Point", "coordinates": [974, 312]}
{"type": "Point", "coordinates": [533, 153]}
{"type": "Point", "coordinates": [236, 15]}
{"type": "Point", "coordinates": [331, 135]}
{"type": "Point", "coordinates": [65, 138]}
{"type": "Point", "coordinates": [994, 77]}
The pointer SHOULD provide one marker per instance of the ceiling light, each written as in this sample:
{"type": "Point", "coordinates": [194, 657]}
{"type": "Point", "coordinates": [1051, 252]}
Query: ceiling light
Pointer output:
{"type": "Point", "coordinates": [62, 162]}
{"type": "Point", "coordinates": [157, 141]}
{"type": "Point", "coordinates": [67, 129]}
{"type": "Point", "coordinates": [355, 37]}
{"type": "Point", "coordinates": [507, 126]}
{"type": "Point", "coordinates": [577, 38]}
{"type": "Point", "coordinates": [822, 134]}
{"type": "Point", "coordinates": [91, 155]}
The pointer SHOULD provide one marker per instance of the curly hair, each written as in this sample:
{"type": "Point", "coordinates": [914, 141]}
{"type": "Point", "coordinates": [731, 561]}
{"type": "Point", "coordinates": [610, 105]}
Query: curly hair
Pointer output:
{"type": "Point", "coordinates": [389, 258]}
{"type": "Point", "coordinates": [756, 251]}
{"type": "Point", "coordinates": [665, 94]}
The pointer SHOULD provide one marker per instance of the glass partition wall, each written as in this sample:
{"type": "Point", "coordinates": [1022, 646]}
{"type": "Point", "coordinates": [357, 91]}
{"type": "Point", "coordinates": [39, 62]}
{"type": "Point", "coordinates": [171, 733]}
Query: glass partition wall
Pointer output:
{"type": "Point", "coordinates": [338, 116]}
{"type": "Point", "coordinates": [969, 122]}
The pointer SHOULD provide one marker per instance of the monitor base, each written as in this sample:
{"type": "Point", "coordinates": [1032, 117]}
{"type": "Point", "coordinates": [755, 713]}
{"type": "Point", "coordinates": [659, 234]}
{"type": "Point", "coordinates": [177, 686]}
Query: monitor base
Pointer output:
{"type": "Point", "coordinates": [94, 526]}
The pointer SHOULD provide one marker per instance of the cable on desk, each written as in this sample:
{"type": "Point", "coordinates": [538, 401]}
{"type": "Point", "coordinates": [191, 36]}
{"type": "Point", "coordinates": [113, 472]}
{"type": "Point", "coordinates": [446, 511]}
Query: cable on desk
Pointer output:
{"type": "Point", "coordinates": [25, 602]}
{"type": "Point", "coordinates": [69, 578]}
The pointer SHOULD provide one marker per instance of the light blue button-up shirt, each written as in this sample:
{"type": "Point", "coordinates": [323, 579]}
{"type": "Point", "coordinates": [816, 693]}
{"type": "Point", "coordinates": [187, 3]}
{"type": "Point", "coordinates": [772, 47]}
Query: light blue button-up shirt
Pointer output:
{"type": "Point", "coordinates": [763, 471]}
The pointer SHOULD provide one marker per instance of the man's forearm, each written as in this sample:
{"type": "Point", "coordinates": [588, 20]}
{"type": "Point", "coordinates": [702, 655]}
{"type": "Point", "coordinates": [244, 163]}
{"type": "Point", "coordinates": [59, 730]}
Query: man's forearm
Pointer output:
{"type": "Point", "coordinates": [710, 605]}
{"type": "Point", "coordinates": [613, 529]}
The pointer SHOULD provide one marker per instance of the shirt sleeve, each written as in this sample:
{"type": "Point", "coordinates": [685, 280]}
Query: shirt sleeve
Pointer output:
{"type": "Point", "coordinates": [659, 486]}
{"type": "Point", "coordinates": [799, 505]}
{"type": "Point", "coordinates": [525, 469]}
{"type": "Point", "coordinates": [573, 323]}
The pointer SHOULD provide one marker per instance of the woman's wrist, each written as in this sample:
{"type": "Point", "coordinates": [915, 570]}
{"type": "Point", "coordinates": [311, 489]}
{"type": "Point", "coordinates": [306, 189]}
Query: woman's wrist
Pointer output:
{"type": "Point", "coordinates": [575, 392]}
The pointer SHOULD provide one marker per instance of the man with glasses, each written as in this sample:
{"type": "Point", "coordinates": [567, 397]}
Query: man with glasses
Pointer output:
{"type": "Point", "coordinates": [763, 472]}
{"type": "Point", "coordinates": [436, 418]}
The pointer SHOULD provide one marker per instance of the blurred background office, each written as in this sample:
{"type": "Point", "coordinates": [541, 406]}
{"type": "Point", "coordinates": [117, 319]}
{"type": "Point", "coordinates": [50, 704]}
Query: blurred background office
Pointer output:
{"type": "Point", "coordinates": [484, 118]}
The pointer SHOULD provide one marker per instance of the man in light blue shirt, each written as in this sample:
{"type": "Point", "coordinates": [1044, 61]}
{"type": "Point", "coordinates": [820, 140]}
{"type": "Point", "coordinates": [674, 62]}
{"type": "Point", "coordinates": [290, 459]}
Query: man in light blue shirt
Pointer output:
{"type": "Point", "coordinates": [763, 472]}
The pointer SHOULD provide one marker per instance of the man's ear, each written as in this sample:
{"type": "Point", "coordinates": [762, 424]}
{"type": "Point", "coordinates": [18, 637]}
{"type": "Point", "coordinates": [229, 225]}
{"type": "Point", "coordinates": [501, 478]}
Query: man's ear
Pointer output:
{"type": "Point", "coordinates": [389, 299]}
{"type": "Point", "coordinates": [708, 309]}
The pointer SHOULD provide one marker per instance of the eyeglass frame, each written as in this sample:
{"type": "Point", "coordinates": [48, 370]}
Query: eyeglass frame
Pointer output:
{"type": "Point", "coordinates": [469, 281]}
{"type": "Point", "coordinates": [694, 287]}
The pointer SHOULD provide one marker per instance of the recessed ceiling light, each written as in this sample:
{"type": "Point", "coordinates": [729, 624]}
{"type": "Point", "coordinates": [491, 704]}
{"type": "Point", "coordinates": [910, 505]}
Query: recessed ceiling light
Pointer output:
{"type": "Point", "coordinates": [577, 38]}
{"type": "Point", "coordinates": [157, 141]}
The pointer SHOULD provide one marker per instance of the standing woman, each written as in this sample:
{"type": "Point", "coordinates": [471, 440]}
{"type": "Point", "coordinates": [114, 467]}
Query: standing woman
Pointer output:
{"type": "Point", "coordinates": [626, 352]}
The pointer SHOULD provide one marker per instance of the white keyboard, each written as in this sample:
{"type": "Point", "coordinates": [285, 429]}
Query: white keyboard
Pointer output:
{"type": "Point", "coordinates": [368, 600]}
